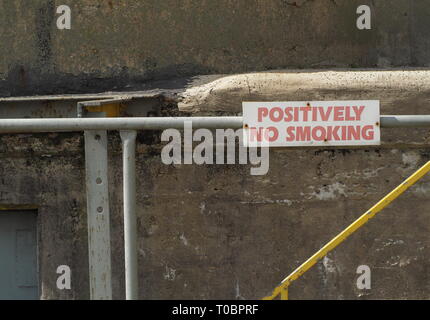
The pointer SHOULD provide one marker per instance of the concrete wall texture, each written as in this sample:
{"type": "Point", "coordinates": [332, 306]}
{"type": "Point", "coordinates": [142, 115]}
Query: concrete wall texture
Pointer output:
{"type": "Point", "coordinates": [216, 232]}
{"type": "Point", "coordinates": [114, 44]}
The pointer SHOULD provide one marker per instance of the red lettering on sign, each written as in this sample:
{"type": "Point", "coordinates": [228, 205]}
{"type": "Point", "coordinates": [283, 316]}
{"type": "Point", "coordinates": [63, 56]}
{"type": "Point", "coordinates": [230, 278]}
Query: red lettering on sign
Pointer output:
{"type": "Point", "coordinates": [262, 112]}
{"type": "Point", "coordinates": [338, 114]}
{"type": "Point", "coordinates": [325, 115]}
{"type": "Point", "coordinates": [358, 111]}
{"type": "Point", "coordinates": [303, 133]}
{"type": "Point", "coordinates": [368, 133]}
{"type": "Point", "coordinates": [276, 114]}
{"type": "Point", "coordinates": [288, 115]}
{"type": "Point", "coordinates": [290, 134]}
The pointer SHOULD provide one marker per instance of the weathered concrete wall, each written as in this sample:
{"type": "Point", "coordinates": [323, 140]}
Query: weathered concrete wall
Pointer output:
{"type": "Point", "coordinates": [123, 43]}
{"type": "Point", "coordinates": [216, 232]}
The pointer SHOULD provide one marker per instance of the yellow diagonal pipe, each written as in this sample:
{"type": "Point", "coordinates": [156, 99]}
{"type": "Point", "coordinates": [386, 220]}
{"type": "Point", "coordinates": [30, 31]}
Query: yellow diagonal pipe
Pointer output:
{"type": "Point", "coordinates": [282, 289]}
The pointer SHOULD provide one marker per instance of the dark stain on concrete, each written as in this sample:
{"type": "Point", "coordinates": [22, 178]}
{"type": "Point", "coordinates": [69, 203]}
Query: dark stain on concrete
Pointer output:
{"type": "Point", "coordinates": [45, 17]}
{"type": "Point", "coordinates": [24, 80]}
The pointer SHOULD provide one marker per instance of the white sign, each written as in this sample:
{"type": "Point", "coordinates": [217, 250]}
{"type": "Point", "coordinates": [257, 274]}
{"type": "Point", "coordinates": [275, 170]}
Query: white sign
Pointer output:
{"type": "Point", "coordinates": [311, 123]}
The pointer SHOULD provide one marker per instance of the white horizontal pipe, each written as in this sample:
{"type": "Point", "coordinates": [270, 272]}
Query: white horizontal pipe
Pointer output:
{"type": "Point", "coordinates": [81, 124]}
{"type": "Point", "coordinates": [419, 121]}
{"type": "Point", "coordinates": [160, 123]}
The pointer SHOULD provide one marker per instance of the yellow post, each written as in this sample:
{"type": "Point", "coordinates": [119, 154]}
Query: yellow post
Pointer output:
{"type": "Point", "coordinates": [284, 294]}
{"type": "Point", "coordinates": [279, 290]}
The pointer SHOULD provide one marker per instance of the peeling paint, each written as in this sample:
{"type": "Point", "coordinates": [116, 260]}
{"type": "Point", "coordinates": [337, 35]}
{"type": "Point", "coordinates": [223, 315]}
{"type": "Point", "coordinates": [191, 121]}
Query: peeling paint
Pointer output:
{"type": "Point", "coordinates": [183, 239]}
{"type": "Point", "coordinates": [237, 290]}
{"type": "Point", "coordinates": [269, 201]}
{"type": "Point", "coordinates": [330, 192]}
{"type": "Point", "coordinates": [329, 268]}
{"type": "Point", "coordinates": [410, 159]}
{"type": "Point", "coordinates": [170, 274]}
{"type": "Point", "coordinates": [202, 207]}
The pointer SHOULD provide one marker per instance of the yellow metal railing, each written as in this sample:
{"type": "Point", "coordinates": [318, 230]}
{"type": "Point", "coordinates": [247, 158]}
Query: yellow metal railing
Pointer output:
{"type": "Point", "coordinates": [282, 289]}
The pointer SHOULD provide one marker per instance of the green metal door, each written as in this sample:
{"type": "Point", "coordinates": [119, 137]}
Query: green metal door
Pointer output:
{"type": "Point", "coordinates": [18, 255]}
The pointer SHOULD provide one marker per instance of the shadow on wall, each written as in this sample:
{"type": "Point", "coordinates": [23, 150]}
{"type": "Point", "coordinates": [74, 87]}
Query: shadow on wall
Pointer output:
{"type": "Point", "coordinates": [21, 81]}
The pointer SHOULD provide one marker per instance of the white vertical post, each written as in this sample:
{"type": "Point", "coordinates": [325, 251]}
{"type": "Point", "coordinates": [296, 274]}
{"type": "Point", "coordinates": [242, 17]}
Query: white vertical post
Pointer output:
{"type": "Point", "coordinates": [96, 163]}
{"type": "Point", "coordinates": [128, 138]}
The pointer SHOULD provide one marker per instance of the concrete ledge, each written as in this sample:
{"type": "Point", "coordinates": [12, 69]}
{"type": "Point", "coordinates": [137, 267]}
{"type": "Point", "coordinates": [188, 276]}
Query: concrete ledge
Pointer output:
{"type": "Point", "coordinates": [400, 91]}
